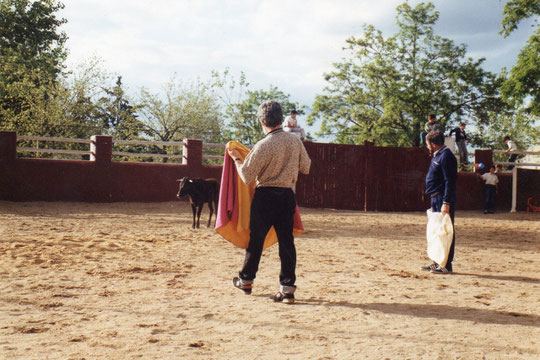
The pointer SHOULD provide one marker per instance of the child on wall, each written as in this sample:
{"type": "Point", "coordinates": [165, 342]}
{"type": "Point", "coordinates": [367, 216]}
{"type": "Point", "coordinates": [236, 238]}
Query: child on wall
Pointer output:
{"type": "Point", "coordinates": [511, 149]}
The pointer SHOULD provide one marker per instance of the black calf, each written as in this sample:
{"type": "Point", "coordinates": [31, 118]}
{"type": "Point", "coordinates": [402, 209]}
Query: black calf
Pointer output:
{"type": "Point", "coordinates": [200, 191]}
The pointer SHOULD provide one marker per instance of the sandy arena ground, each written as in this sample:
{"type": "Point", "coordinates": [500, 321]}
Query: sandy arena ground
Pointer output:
{"type": "Point", "coordinates": [134, 281]}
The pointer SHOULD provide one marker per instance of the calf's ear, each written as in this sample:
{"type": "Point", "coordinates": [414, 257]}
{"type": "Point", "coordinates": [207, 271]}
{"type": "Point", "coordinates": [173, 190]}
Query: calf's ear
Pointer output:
{"type": "Point", "coordinates": [178, 180]}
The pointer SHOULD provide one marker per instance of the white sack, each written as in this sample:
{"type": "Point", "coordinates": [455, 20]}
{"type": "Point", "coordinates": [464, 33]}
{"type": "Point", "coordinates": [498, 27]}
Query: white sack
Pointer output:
{"type": "Point", "coordinates": [439, 233]}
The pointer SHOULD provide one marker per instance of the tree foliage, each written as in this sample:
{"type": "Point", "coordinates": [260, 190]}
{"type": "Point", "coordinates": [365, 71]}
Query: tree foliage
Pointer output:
{"type": "Point", "coordinates": [523, 82]}
{"type": "Point", "coordinates": [384, 90]}
{"type": "Point", "coordinates": [520, 126]}
{"type": "Point", "coordinates": [118, 118]}
{"type": "Point", "coordinates": [245, 125]}
{"type": "Point", "coordinates": [241, 104]}
{"type": "Point", "coordinates": [182, 111]}
{"type": "Point", "coordinates": [516, 10]}
{"type": "Point", "coordinates": [33, 54]}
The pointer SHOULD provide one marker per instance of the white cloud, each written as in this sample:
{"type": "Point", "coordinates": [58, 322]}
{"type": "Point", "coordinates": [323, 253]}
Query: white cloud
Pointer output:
{"type": "Point", "coordinates": [287, 43]}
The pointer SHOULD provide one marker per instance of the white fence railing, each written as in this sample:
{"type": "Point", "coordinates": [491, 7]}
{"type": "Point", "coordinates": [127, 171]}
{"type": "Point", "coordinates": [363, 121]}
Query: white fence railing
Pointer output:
{"type": "Point", "coordinates": [518, 163]}
{"type": "Point", "coordinates": [79, 153]}
{"type": "Point", "coordinates": [175, 144]}
{"type": "Point", "coordinates": [39, 139]}
{"type": "Point", "coordinates": [149, 143]}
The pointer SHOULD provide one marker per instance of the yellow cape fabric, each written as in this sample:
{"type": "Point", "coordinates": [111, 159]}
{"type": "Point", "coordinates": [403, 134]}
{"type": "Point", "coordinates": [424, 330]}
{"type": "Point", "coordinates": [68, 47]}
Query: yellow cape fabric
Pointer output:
{"type": "Point", "coordinates": [238, 232]}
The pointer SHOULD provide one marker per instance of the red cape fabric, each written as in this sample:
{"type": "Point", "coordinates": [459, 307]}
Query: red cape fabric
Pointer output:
{"type": "Point", "coordinates": [235, 203]}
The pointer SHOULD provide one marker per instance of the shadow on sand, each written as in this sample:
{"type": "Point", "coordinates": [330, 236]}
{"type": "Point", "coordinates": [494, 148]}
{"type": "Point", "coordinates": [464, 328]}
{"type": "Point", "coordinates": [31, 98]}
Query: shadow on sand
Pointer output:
{"type": "Point", "coordinates": [436, 311]}
{"type": "Point", "coordinates": [501, 277]}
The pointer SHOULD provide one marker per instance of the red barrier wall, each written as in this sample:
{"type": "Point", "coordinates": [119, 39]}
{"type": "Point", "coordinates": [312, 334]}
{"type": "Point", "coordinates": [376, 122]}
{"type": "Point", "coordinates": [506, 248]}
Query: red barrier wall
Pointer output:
{"type": "Point", "coordinates": [65, 180]}
{"type": "Point", "coordinates": [528, 184]}
{"type": "Point", "coordinates": [470, 192]}
{"type": "Point", "coordinates": [342, 176]}
{"type": "Point", "coordinates": [395, 178]}
{"type": "Point", "coordinates": [336, 178]}
{"type": "Point", "coordinates": [98, 180]}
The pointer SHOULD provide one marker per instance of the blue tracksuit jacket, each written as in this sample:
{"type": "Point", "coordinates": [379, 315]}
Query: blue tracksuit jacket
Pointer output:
{"type": "Point", "coordinates": [442, 175]}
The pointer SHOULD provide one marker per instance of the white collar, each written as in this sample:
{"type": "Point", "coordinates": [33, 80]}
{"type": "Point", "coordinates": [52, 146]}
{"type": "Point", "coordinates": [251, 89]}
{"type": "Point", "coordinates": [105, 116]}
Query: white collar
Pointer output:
{"type": "Point", "coordinates": [441, 149]}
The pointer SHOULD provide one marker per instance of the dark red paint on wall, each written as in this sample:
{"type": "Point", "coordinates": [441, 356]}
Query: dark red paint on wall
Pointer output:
{"type": "Point", "coordinates": [342, 176]}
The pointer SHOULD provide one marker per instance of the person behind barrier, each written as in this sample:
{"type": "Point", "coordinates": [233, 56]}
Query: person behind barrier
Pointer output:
{"type": "Point", "coordinates": [291, 125]}
{"type": "Point", "coordinates": [441, 188]}
{"type": "Point", "coordinates": [274, 163]}
{"type": "Point", "coordinates": [490, 190]}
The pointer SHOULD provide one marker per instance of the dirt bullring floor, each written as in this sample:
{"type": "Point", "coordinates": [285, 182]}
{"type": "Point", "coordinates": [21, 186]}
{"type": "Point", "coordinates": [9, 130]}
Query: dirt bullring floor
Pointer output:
{"type": "Point", "coordinates": [133, 280]}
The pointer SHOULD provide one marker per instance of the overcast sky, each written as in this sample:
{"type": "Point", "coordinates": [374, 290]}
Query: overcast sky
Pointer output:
{"type": "Point", "coordinates": [286, 43]}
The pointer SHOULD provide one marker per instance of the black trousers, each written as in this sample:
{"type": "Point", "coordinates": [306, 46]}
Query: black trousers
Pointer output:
{"type": "Point", "coordinates": [272, 206]}
{"type": "Point", "coordinates": [489, 202]}
{"type": "Point", "coordinates": [436, 206]}
{"type": "Point", "coordinates": [512, 158]}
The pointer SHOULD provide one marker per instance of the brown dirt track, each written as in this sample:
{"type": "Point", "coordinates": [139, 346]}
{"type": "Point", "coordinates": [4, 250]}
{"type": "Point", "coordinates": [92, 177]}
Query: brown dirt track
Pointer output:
{"type": "Point", "coordinates": [133, 280]}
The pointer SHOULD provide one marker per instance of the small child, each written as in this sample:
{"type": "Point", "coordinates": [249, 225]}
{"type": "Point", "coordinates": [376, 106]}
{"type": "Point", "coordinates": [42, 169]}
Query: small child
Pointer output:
{"type": "Point", "coordinates": [490, 190]}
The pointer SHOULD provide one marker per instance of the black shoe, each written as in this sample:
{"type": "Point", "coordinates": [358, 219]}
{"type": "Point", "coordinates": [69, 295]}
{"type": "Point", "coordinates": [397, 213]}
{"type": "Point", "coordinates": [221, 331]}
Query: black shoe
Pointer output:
{"type": "Point", "coordinates": [485, 211]}
{"type": "Point", "coordinates": [284, 298]}
{"type": "Point", "coordinates": [441, 270]}
{"type": "Point", "coordinates": [430, 267]}
{"type": "Point", "coordinates": [240, 284]}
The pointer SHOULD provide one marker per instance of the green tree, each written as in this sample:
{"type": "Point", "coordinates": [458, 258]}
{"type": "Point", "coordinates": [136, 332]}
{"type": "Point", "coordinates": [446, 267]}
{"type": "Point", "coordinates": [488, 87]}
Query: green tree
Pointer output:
{"type": "Point", "coordinates": [245, 125]}
{"type": "Point", "coordinates": [520, 126]}
{"type": "Point", "coordinates": [385, 89]}
{"type": "Point", "coordinates": [241, 105]}
{"type": "Point", "coordinates": [117, 116]}
{"type": "Point", "coordinates": [523, 82]}
{"type": "Point", "coordinates": [64, 108]}
{"type": "Point", "coordinates": [32, 57]}
{"type": "Point", "coordinates": [181, 112]}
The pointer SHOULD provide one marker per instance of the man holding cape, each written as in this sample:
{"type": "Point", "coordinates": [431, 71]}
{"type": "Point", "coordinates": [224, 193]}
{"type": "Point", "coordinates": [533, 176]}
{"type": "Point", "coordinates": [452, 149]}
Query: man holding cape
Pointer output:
{"type": "Point", "coordinates": [274, 163]}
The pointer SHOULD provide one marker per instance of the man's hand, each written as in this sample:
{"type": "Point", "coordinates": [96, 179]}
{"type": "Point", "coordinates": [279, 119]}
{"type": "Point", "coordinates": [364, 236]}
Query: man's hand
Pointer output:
{"type": "Point", "coordinates": [445, 209]}
{"type": "Point", "coordinates": [233, 153]}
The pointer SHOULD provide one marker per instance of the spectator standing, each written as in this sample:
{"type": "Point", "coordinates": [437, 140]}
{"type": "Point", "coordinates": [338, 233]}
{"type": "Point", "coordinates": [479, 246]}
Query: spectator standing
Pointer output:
{"type": "Point", "coordinates": [490, 190]}
{"type": "Point", "coordinates": [461, 142]}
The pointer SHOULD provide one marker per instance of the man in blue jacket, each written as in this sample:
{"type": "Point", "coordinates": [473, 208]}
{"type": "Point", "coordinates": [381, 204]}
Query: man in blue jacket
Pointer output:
{"type": "Point", "coordinates": [441, 187]}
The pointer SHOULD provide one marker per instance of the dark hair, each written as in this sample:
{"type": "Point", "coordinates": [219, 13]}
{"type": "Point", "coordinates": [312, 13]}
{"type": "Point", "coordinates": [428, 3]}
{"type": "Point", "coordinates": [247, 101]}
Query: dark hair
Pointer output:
{"type": "Point", "coordinates": [270, 113]}
{"type": "Point", "coordinates": [493, 167]}
{"type": "Point", "coordinates": [506, 138]}
{"type": "Point", "coordinates": [435, 137]}
{"type": "Point", "coordinates": [294, 112]}
{"type": "Point", "coordinates": [432, 116]}
{"type": "Point", "coordinates": [462, 123]}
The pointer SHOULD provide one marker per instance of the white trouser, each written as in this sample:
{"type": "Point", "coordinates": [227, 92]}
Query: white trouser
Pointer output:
{"type": "Point", "coordinates": [296, 130]}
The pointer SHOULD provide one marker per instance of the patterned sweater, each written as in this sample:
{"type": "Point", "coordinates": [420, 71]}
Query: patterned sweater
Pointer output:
{"type": "Point", "coordinates": [275, 161]}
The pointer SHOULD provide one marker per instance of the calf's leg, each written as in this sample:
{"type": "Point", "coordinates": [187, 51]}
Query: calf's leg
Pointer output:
{"type": "Point", "coordinates": [193, 209]}
{"type": "Point", "coordinates": [211, 207]}
{"type": "Point", "coordinates": [199, 210]}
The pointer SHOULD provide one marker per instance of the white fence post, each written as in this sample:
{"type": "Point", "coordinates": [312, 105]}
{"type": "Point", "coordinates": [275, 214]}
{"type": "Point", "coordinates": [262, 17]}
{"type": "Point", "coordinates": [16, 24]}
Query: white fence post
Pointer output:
{"type": "Point", "coordinates": [514, 189]}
